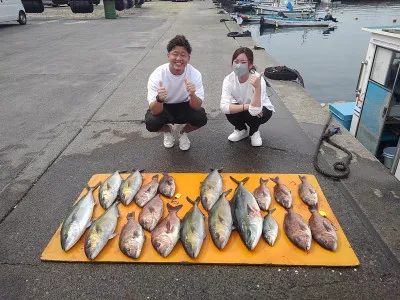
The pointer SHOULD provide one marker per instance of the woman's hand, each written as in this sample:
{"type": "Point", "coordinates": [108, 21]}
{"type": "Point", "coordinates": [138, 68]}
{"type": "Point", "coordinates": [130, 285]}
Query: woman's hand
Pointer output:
{"type": "Point", "coordinates": [256, 81]}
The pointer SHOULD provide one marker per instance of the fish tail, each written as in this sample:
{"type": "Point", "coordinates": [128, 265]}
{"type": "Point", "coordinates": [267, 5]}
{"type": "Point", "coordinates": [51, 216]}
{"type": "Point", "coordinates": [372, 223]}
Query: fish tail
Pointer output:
{"type": "Point", "coordinates": [263, 181]}
{"type": "Point", "coordinates": [226, 193]}
{"type": "Point", "coordinates": [141, 171]}
{"type": "Point", "coordinates": [131, 215]}
{"type": "Point", "coordinates": [270, 211]}
{"type": "Point", "coordinates": [303, 178]}
{"type": "Point", "coordinates": [88, 187]}
{"type": "Point", "coordinates": [276, 179]}
{"type": "Point", "coordinates": [155, 177]}
{"type": "Point", "coordinates": [243, 181]}
{"type": "Point", "coordinates": [171, 208]}
{"type": "Point", "coordinates": [235, 180]}
{"type": "Point", "coordinates": [124, 171]}
{"type": "Point", "coordinates": [195, 202]}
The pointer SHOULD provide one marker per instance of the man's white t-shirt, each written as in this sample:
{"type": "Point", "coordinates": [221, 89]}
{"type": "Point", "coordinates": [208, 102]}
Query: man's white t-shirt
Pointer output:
{"type": "Point", "coordinates": [174, 84]}
{"type": "Point", "coordinates": [234, 92]}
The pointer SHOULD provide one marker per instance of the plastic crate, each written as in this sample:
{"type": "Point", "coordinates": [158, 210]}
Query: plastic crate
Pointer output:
{"type": "Point", "coordinates": [343, 112]}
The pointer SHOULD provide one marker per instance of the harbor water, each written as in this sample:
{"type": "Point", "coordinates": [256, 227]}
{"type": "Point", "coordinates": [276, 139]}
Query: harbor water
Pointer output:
{"type": "Point", "coordinates": [329, 60]}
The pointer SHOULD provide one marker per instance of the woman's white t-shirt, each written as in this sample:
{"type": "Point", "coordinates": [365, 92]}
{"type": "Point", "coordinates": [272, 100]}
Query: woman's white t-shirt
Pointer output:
{"type": "Point", "coordinates": [174, 84]}
{"type": "Point", "coordinates": [234, 92]}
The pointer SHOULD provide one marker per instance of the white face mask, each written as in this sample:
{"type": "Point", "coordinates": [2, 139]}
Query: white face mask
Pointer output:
{"type": "Point", "coordinates": [240, 70]}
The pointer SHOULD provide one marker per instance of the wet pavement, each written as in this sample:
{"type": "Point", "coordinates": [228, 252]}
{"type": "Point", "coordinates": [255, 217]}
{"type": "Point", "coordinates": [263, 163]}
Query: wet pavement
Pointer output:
{"type": "Point", "coordinates": [74, 95]}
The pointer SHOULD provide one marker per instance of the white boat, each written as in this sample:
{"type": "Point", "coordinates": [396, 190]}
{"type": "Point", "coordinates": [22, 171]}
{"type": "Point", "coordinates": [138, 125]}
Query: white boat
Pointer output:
{"type": "Point", "coordinates": [250, 18]}
{"type": "Point", "coordinates": [375, 120]}
{"type": "Point", "coordinates": [299, 31]}
{"type": "Point", "coordinates": [273, 21]}
{"type": "Point", "coordinates": [284, 9]}
{"type": "Point", "coordinates": [289, 14]}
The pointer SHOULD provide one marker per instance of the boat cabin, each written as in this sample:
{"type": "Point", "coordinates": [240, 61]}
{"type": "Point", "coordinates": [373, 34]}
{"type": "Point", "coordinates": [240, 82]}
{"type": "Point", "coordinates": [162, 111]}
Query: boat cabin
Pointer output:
{"type": "Point", "coordinates": [376, 115]}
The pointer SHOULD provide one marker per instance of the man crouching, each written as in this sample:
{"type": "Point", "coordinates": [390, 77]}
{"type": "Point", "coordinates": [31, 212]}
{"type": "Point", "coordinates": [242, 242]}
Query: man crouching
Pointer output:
{"type": "Point", "coordinates": [175, 93]}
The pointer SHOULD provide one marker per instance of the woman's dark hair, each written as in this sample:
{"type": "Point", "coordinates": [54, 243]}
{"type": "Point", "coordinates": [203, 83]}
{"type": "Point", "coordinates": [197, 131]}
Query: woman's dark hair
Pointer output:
{"type": "Point", "coordinates": [177, 41]}
{"type": "Point", "coordinates": [248, 52]}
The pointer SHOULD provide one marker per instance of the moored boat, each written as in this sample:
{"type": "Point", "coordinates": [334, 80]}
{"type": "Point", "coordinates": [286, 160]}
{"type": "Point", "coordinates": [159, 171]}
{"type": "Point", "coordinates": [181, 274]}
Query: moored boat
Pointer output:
{"type": "Point", "coordinates": [274, 21]}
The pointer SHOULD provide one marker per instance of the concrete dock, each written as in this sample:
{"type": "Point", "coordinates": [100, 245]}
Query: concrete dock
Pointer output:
{"type": "Point", "coordinates": [73, 97]}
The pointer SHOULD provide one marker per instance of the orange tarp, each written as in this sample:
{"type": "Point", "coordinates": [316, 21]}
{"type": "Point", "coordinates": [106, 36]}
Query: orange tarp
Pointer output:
{"type": "Point", "coordinates": [188, 184]}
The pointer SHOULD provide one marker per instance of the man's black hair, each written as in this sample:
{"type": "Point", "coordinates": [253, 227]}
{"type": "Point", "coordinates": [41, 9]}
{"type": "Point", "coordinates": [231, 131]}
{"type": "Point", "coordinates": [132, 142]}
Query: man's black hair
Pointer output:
{"type": "Point", "coordinates": [177, 41]}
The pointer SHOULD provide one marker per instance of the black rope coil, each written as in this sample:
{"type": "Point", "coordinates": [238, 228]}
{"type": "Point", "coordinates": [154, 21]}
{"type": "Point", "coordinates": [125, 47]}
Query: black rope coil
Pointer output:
{"type": "Point", "coordinates": [341, 166]}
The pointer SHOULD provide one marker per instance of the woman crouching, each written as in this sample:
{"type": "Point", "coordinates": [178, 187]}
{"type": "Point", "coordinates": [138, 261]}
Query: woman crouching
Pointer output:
{"type": "Point", "coordinates": [244, 98]}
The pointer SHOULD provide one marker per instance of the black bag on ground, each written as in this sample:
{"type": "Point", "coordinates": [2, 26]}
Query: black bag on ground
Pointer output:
{"type": "Point", "coordinates": [283, 73]}
{"type": "Point", "coordinates": [280, 73]}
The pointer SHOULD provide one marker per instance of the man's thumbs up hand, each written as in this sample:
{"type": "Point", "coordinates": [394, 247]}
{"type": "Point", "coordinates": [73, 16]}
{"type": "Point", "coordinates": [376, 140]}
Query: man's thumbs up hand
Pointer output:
{"type": "Point", "coordinates": [190, 87]}
{"type": "Point", "coordinates": [161, 92]}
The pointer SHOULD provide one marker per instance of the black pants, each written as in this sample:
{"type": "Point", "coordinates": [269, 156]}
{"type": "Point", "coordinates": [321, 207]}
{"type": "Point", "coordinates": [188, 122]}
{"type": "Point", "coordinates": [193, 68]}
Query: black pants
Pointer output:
{"type": "Point", "coordinates": [179, 113]}
{"type": "Point", "coordinates": [240, 120]}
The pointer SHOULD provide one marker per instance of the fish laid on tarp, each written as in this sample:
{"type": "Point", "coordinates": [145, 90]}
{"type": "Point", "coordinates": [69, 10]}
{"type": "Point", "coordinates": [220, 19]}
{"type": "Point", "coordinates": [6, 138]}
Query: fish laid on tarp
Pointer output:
{"type": "Point", "coordinates": [130, 186]}
{"type": "Point", "coordinates": [263, 195]}
{"type": "Point", "coordinates": [211, 189]}
{"type": "Point", "coordinates": [297, 230]}
{"type": "Point", "coordinates": [131, 238]}
{"type": "Point", "coordinates": [193, 231]}
{"type": "Point", "coordinates": [247, 215]}
{"type": "Point", "coordinates": [270, 228]}
{"type": "Point", "coordinates": [220, 221]}
{"type": "Point", "coordinates": [322, 230]}
{"type": "Point", "coordinates": [282, 193]}
{"type": "Point", "coordinates": [108, 191]}
{"type": "Point", "coordinates": [78, 219]}
{"type": "Point", "coordinates": [307, 192]}
{"type": "Point", "coordinates": [101, 231]}
{"type": "Point", "coordinates": [167, 186]}
{"type": "Point", "coordinates": [147, 192]}
{"type": "Point", "coordinates": [166, 234]}
{"type": "Point", "coordinates": [151, 213]}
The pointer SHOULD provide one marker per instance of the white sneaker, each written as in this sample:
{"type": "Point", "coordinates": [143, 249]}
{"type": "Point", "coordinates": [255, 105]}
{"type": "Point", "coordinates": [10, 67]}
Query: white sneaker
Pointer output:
{"type": "Point", "coordinates": [169, 140]}
{"type": "Point", "coordinates": [256, 140]}
{"type": "Point", "coordinates": [238, 135]}
{"type": "Point", "coordinates": [184, 143]}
